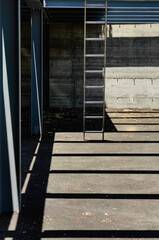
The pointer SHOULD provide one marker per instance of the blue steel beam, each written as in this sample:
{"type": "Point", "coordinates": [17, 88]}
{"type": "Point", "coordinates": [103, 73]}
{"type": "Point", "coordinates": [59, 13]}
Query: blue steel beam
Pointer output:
{"type": "Point", "coordinates": [36, 71]}
{"type": "Point", "coordinates": [9, 106]}
{"type": "Point", "coordinates": [118, 11]}
{"type": "Point", "coordinates": [114, 4]}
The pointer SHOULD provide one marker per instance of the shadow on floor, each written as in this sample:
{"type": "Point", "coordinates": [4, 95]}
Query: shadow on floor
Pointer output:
{"type": "Point", "coordinates": [36, 160]}
{"type": "Point", "coordinates": [28, 225]}
{"type": "Point", "coordinates": [58, 120]}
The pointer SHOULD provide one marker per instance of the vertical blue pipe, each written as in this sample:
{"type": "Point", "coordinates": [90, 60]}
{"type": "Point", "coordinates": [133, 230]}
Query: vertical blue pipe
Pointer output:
{"type": "Point", "coordinates": [36, 71]}
{"type": "Point", "coordinates": [9, 106]}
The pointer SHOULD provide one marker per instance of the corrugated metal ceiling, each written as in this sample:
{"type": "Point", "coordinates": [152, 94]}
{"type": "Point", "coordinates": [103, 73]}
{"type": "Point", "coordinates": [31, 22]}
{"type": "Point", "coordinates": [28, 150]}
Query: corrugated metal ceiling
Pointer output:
{"type": "Point", "coordinates": [118, 11]}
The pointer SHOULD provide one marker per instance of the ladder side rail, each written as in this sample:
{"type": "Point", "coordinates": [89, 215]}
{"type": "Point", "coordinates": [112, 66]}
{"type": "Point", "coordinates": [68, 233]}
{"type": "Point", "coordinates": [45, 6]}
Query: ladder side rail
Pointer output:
{"type": "Point", "coordinates": [84, 72]}
{"type": "Point", "coordinates": [105, 58]}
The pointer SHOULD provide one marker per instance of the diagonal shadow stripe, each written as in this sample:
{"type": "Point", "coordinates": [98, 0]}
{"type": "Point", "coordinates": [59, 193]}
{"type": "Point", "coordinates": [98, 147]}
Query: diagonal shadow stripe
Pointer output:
{"type": "Point", "coordinates": [101, 196]}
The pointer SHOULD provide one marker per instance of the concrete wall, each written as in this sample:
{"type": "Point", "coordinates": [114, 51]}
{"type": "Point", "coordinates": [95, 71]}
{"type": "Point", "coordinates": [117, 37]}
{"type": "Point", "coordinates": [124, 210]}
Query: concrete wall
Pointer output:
{"type": "Point", "coordinates": [132, 87]}
{"type": "Point", "coordinates": [133, 81]}
{"type": "Point", "coordinates": [132, 65]}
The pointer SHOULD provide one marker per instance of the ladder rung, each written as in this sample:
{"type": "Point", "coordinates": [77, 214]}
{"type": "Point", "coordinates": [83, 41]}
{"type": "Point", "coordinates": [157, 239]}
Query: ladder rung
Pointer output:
{"type": "Point", "coordinates": [94, 39]}
{"type": "Point", "coordinates": [94, 102]}
{"type": "Point", "coordinates": [94, 87]}
{"type": "Point", "coordinates": [94, 71]}
{"type": "Point", "coordinates": [94, 117]}
{"type": "Point", "coordinates": [94, 55]}
{"type": "Point", "coordinates": [95, 1]}
{"type": "Point", "coordinates": [93, 131]}
{"type": "Point", "coordinates": [95, 22]}
{"type": "Point", "coordinates": [95, 5]}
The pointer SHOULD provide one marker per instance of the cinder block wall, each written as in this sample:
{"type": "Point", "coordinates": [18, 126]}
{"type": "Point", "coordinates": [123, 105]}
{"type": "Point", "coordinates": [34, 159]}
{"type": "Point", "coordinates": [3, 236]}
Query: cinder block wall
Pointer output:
{"type": "Point", "coordinates": [133, 76]}
{"type": "Point", "coordinates": [132, 65]}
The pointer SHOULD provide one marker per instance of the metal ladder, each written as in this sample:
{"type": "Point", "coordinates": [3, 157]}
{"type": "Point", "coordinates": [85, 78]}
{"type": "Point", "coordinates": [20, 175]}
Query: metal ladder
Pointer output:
{"type": "Point", "coordinates": [95, 5]}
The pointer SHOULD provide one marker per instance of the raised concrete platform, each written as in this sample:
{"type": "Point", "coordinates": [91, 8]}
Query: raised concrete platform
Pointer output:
{"type": "Point", "coordinates": [89, 190]}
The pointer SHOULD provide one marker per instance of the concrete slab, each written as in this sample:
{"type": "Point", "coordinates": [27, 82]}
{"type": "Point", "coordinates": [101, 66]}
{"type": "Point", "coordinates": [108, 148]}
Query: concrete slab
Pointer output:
{"type": "Point", "coordinates": [134, 114]}
{"type": "Point", "coordinates": [104, 164]}
{"type": "Point", "coordinates": [97, 214]}
{"type": "Point", "coordinates": [103, 183]}
{"type": "Point", "coordinates": [80, 182]}
{"type": "Point", "coordinates": [135, 121]}
{"type": "Point", "coordinates": [79, 147]}
{"type": "Point", "coordinates": [77, 137]}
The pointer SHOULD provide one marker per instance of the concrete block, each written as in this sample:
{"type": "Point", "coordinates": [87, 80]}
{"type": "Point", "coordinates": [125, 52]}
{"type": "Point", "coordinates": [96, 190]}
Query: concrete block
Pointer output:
{"type": "Point", "coordinates": [61, 67]}
{"type": "Point", "coordinates": [155, 103]}
{"type": "Point", "coordinates": [133, 30]}
{"type": "Point", "coordinates": [60, 30]}
{"type": "Point", "coordinates": [143, 102]}
{"type": "Point", "coordinates": [119, 102]}
{"type": "Point", "coordinates": [64, 102]}
{"type": "Point", "coordinates": [132, 72]}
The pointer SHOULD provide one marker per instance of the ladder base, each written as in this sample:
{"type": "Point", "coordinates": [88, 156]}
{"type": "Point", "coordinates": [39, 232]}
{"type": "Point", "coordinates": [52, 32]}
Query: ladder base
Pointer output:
{"type": "Point", "coordinates": [93, 117]}
{"type": "Point", "coordinates": [93, 131]}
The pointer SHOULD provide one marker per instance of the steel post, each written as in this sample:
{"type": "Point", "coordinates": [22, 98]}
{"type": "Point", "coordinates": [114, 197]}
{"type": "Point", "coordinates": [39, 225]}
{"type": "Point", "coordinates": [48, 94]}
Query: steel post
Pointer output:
{"type": "Point", "coordinates": [36, 71]}
{"type": "Point", "coordinates": [9, 105]}
{"type": "Point", "coordinates": [46, 67]}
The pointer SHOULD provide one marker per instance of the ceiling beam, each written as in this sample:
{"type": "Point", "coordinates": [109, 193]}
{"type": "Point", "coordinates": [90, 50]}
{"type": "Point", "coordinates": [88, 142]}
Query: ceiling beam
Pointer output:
{"type": "Point", "coordinates": [36, 4]}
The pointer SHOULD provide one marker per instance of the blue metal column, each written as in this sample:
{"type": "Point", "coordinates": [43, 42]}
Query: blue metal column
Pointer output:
{"type": "Point", "coordinates": [36, 71]}
{"type": "Point", "coordinates": [46, 67]}
{"type": "Point", "coordinates": [9, 105]}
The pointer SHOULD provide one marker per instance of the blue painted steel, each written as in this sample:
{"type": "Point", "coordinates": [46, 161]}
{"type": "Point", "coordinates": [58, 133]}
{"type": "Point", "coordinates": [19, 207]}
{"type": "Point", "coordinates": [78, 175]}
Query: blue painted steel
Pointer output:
{"type": "Point", "coordinates": [9, 106]}
{"type": "Point", "coordinates": [118, 11]}
{"type": "Point", "coordinates": [36, 71]}
{"type": "Point", "coordinates": [80, 3]}
{"type": "Point", "coordinates": [46, 67]}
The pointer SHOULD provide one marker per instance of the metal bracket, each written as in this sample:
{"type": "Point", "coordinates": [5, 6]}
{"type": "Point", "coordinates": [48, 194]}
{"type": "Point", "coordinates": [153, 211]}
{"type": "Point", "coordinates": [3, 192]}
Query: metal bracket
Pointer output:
{"type": "Point", "coordinates": [36, 4]}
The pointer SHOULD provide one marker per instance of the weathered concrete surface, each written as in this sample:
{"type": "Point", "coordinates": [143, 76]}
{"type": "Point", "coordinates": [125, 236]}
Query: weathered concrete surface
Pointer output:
{"type": "Point", "coordinates": [97, 214]}
{"type": "Point", "coordinates": [89, 190]}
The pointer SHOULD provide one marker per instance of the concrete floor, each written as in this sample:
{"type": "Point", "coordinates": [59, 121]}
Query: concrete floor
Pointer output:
{"type": "Point", "coordinates": [93, 189]}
